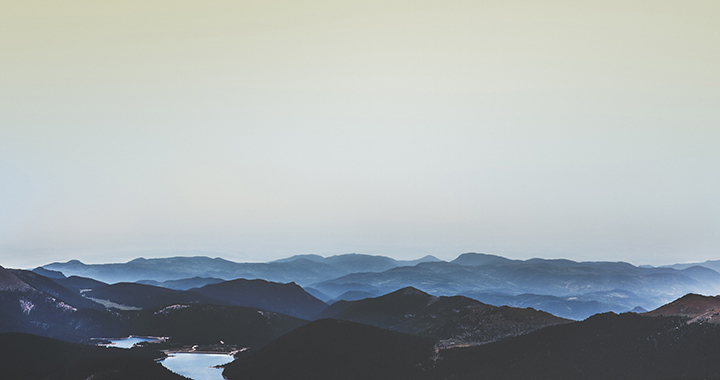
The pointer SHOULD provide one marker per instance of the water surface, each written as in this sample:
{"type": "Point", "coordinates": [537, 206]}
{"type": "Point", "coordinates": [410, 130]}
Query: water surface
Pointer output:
{"type": "Point", "coordinates": [197, 366]}
{"type": "Point", "coordinates": [128, 342]}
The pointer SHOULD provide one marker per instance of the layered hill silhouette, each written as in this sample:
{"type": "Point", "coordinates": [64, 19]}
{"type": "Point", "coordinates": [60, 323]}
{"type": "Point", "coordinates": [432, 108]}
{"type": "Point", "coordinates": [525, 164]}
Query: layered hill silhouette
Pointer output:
{"type": "Point", "coordinates": [332, 349]}
{"type": "Point", "coordinates": [303, 269]}
{"type": "Point", "coordinates": [564, 288]}
{"type": "Point", "coordinates": [583, 287]}
{"type": "Point", "coordinates": [712, 264]}
{"type": "Point", "coordinates": [448, 321]}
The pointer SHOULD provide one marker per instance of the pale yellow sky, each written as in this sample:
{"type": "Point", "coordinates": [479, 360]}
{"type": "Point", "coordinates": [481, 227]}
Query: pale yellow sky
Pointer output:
{"type": "Point", "coordinates": [579, 129]}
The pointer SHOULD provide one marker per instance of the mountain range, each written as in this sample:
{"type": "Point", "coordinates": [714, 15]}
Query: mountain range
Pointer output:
{"type": "Point", "coordinates": [565, 288]}
{"type": "Point", "coordinates": [378, 327]}
{"type": "Point", "coordinates": [301, 269]}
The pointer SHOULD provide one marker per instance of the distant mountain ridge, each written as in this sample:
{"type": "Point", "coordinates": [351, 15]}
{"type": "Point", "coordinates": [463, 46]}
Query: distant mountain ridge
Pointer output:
{"type": "Point", "coordinates": [712, 264]}
{"type": "Point", "coordinates": [583, 287]}
{"type": "Point", "coordinates": [302, 269]}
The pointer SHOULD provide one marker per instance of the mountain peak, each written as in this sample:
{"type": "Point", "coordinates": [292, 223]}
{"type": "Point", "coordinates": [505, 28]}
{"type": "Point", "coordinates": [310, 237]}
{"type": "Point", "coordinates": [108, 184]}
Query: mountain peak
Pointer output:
{"type": "Point", "coordinates": [694, 306]}
{"type": "Point", "coordinates": [475, 259]}
{"type": "Point", "coordinates": [429, 258]}
{"type": "Point", "coordinates": [75, 262]}
{"type": "Point", "coordinates": [410, 291]}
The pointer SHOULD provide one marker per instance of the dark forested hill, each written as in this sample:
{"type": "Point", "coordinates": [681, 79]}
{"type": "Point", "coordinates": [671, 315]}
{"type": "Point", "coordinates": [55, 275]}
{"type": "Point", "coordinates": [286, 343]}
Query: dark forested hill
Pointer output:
{"type": "Point", "coordinates": [210, 324]}
{"type": "Point", "coordinates": [288, 299]}
{"type": "Point", "coordinates": [330, 349]}
{"type": "Point", "coordinates": [31, 357]}
{"type": "Point", "coordinates": [144, 296]}
{"type": "Point", "coordinates": [449, 321]}
{"type": "Point", "coordinates": [605, 346]}
{"type": "Point", "coordinates": [696, 307]}
{"type": "Point", "coordinates": [78, 284]}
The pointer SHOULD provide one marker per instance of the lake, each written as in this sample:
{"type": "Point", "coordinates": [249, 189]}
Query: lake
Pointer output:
{"type": "Point", "coordinates": [196, 366]}
{"type": "Point", "coordinates": [129, 342]}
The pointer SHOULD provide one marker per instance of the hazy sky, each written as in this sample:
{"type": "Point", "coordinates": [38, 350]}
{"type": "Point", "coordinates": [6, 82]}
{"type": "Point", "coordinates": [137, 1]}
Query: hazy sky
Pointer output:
{"type": "Point", "coordinates": [254, 130]}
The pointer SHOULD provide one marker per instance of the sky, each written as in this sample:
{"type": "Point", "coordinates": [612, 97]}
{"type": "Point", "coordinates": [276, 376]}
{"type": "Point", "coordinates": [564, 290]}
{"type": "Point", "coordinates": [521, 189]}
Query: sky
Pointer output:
{"type": "Point", "coordinates": [255, 130]}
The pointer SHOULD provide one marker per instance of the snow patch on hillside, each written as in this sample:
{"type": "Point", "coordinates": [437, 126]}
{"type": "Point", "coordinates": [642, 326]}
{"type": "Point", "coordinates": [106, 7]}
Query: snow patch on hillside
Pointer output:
{"type": "Point", "coordinates": [26, 306]}
{"type": "Point", "coordinates": [170, 308]}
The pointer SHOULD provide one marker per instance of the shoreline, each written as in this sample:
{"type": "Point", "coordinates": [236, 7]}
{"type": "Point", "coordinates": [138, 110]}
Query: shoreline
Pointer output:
{"type": "Point", "coordinates": [108, 342]}
{"type": "Point", "coordinates": [196, 349]}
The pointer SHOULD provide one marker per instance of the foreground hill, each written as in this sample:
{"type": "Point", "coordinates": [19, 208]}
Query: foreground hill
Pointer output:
{"type": "Point", "coordinates": [288, 299]}
{"type": "Point", "coordinates": [330, 349]}
{"type": "Point", "coordinates": [31, 357]}
{"type": "Point", "coordinates": [606, 346]}
{"type": "Point", "coordinates": [449, 321]}
{"type": "Point", "coordinates": [696, 307]}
